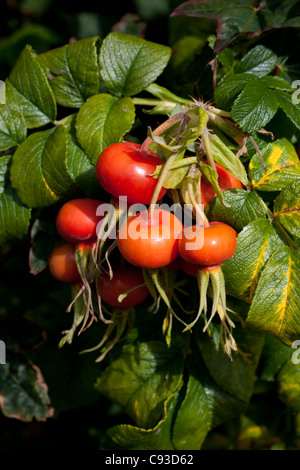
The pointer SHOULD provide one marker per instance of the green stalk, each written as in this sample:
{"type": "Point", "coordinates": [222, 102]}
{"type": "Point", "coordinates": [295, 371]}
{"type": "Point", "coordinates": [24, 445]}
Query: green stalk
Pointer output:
{"type": "Point", "coordinates": [162, 128]}
{"type": "Point", "coordinates": [163, 174]}
{"type": "Point", "coordinates": [209, 154]}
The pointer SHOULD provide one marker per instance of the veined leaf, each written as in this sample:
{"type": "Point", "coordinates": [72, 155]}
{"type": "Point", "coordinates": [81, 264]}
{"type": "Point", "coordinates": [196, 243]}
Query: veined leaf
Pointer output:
{"type": "Point", "coordinates": [287, 208]}
{"type": "Point", "coordinates": [229, 87]}
{"type": "Point", "coordinates": [78, 164]}
{"type": "Point", "coordinates": [255, 106]}
{"type": "Point", "coordinates": [14, 216]}
{"type": "Point", "coordinates": [54, 162]}
{"type": "Point", "coordinates": [225, 157]}
{"type": "Point", "coordinates": [259, 61]}
{"type": "Point", "coordinates": [12, 126]}
{"type": "Point", "coordinates": [142, 379]}
{"type": "Point", "coordinates": [275, 306]}
{"type": "Point", "coordinates": [282, 166]}
{"type": "Point", "coordinates": [274, 355]}
{"type": "Point", "coordinates": [194, 417]}
{"type": "Point", "coordinates": [38, 170]}
{"type": "Point", "coordinates": [23, 391]}
{"type": "Point", "coordinates": [291, 109]}
{"type": "Point", "coordinates": [73, 71]}
{"type": "Point", "coordinates": [28, 89]}
{"type": "Point", "coordinates": [240, 17]}
{"type": "Point", "coordinates": [129, 64]}
{"type": "Point", "coordinates": [255, 244]}
{"type": "Point", "coordinates": [242, 207]}
{"type": "Point", "coordinates": [103, 120]}
{"type": "Point", "coordinates": [159, 437]}
{"type": "Point", "coordinates": [230, 382]}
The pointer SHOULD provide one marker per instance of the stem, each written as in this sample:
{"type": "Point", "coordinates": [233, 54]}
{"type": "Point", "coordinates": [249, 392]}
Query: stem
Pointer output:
{"type": "Point", "coordinates": [258, 152]}
{"type": "Point", "coordinates": [160, 129]}
{"type": "Point", "coordinates": [219, 112]}
{"type": "Point", "coordinates": [209, 154]}
{"type": "Point", "coordinates": [187, 161]}
{"type": "Point", "coordinates": [161, 180]}
{"type": "Point", "coordinates": [196, 206]}
{"type": "Point", "coordinates": [153, 102]}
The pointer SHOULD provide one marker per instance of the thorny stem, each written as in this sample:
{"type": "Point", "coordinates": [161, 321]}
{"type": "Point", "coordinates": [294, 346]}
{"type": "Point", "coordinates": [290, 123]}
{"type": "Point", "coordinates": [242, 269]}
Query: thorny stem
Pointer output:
{"type": "Point", "coordinates": [160, 129]}
{"type": "Point", "coordinates": [258, 151]}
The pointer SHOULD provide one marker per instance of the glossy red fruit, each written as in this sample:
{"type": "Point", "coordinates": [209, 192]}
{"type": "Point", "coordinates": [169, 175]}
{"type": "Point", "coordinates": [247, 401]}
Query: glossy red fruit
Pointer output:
{"type": "Point", "coordinates": [193, 269]}
{"type": "Point", "coordinates": [123, 280]}
{"type": "Point", "coordinates": [150, 242]}
{"type": "Point", "coordinates": [208, 246]}
{"type": "Point", "coordinates": [62, 264]}
{"type": "Point", "coordinates": [226, 181]}
{"type": "Point", "coordinates": [124, 169]}
{"type": "Point", "coordinates": [77, 221]}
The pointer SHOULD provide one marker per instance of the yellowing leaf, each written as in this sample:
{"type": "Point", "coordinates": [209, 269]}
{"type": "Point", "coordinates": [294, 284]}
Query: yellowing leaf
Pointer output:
{"type": "Point", "coordinates": [281, 166]}
{"type": "Point", "coordinates": [287, 208]}
{"type": "Point", "coordinates": [275, 306]}
{"type": "Point", "coordinates": [255, 244]}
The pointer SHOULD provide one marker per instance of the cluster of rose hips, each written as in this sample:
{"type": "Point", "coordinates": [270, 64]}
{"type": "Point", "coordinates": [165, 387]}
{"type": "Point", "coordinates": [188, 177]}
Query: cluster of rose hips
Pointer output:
{"type": "Point", "coordinates": [151, 239]}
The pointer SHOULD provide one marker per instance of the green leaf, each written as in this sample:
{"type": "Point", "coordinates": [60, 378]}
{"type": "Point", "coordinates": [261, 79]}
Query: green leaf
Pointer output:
{"type": "Point", "coordinates": [289, 384]}
{"type": "Point", "coordinates": [14, 216]}
{"type": "Point", "coordinates": [230, 385]}
{"type": "Point", "coordinates": [73, 71]}
{"type": "Point", "coordinates": [53, 162]}
{"type": "Point", "coordinates": [211, 176]}
{"type": "Point", "coordinates": [240, 17]}
{"type": "Point", "coordinates": [259, 61]}
{"type": "Point", "coordinates": [103, 120]}
{"type": "Point", "coordinates": [242, 207]}
{"type": "Point", "coordinates": [166, 95]}
{"type": "Point", "coordinates": [23, 391]}
{"type": "Point", "coordinates": [274, 356]}
{"type": "Point", "coordinates": [12, 126]}
{"type": "Point", "coordinates": [126, 436]}
{"type": "Point", "coordinates": [255, 244]}
{"type": "Point", "coordinates": [43, 240]}
{"type": "Point", "coordinates": [129, 64]}
{"type": "Point", "coordinates": [38, 170]}
{"type": "Point", "coordinates": [141, 379]}
{"type": "Point", "coordinates": [278, 83]}
{"type": "Point", "coordinates": [287, 208]}
{"type": "Point", "coordinates": [229, 87]}
{"type": "Point", "coordinates": [275, 306]}
{"type": "Point", "coordinates": [78, 164]}
{"type": "Point", "coordinates": [194, 417]}
{"type": "Point", "coordinates": [282, 166]}
{"type": "Point", "coordinates": [255, 106]}
{"type": "Point", "coordinates": [290, 109]}
{"type": "Point", "coordinates": [28, 89]}
{"type": "Point", "coordinates": [225, 157]}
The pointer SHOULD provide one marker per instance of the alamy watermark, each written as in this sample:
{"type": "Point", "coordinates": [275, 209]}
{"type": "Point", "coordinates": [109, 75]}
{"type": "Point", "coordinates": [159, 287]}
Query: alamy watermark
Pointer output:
{"type": "Point", "coordinates": [2, 352]}
{"type": "Point", "coordinates": [107, 225]}
{"type": "Point", "coordinates": [295, 99]}
{"type": "Point", "coordinates": [2, 92]}
{"type": "Point", "coordinates": [296, 354]}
